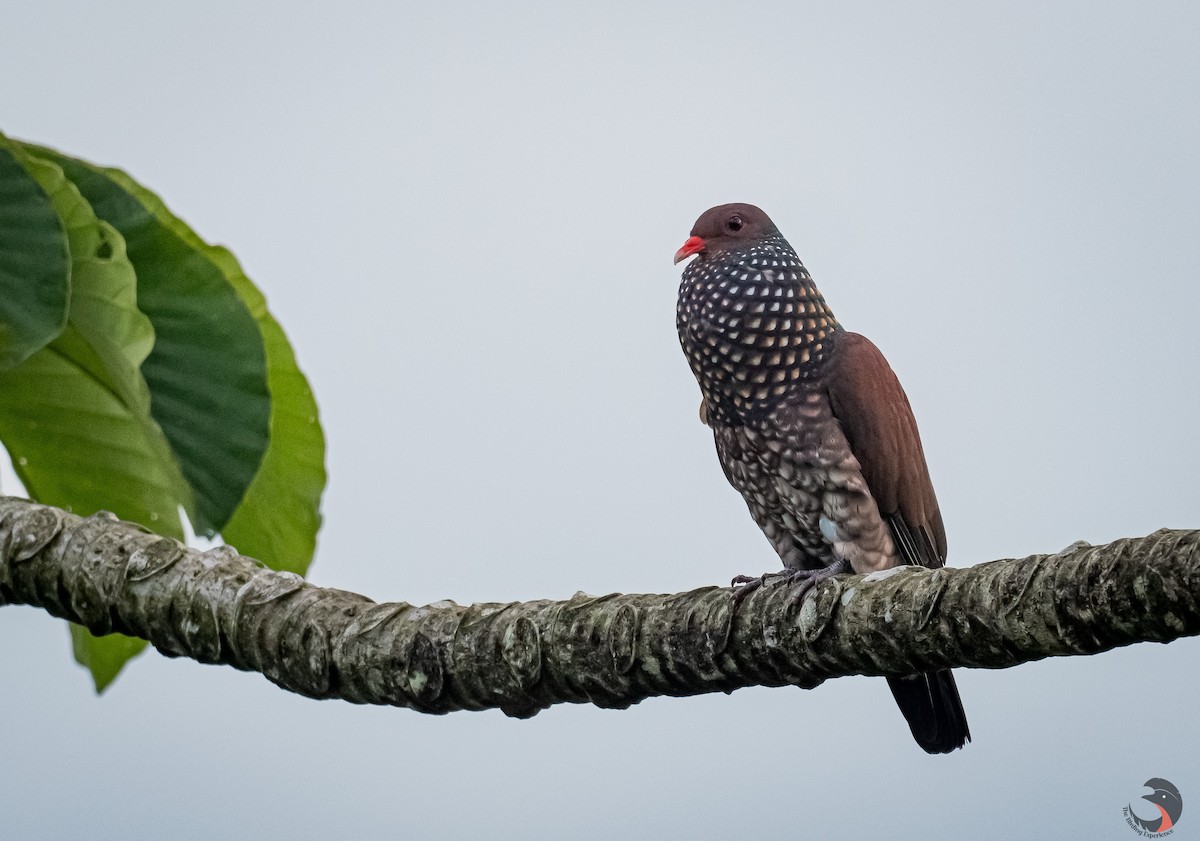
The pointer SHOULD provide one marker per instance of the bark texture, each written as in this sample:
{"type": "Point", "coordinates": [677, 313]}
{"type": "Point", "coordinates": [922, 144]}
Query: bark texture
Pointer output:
{"type": "Point", "coordinates": [612, 651]}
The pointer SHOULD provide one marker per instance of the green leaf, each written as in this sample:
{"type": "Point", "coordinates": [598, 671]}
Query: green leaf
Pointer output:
{"type": "Point", "coordinates": [75, 445]}
{"type": "Point", "coordinates": [75, 416]}
{"type": "Point", "coordinates": [207, 372]}
{"type": "Point", "coordinates": [35, 262]}
{"type": "Point", "coordinates": [279, 517]}
{"type": "Point", "coordinates": [279, 512]}
{"type": "Point", "coordinates": [116, 336]}
{"type": "Point", "coordinates": [113, 335]}
{"type": "Point", "coordinates": [104, 656]}
{"type": "Point", "coordinates": [231, 405]}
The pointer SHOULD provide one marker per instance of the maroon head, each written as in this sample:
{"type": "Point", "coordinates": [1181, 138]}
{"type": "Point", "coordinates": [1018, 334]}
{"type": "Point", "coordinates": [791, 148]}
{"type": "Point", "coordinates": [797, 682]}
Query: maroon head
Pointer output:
{"type": "Point", "coordinates": [727, 227]}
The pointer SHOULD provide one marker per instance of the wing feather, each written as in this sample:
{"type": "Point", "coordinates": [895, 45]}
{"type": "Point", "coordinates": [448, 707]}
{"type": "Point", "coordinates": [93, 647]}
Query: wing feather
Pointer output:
{"type": "Point", "coordinates": [873, 410]}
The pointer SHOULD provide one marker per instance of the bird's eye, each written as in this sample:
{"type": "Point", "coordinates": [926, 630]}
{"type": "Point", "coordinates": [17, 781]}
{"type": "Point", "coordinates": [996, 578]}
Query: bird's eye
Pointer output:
{"type": "Point", "coordinates": [734, 224]}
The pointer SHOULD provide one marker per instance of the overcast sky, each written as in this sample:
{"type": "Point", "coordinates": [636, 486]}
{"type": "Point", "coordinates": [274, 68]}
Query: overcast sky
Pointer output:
{"type": "Point", "coordinates": [464, 218]}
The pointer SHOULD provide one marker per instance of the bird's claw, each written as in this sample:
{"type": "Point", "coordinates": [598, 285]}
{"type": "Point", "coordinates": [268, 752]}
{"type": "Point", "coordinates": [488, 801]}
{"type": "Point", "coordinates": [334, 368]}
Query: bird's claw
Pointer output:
{"type": "Point", "coordinates": [744, 585]}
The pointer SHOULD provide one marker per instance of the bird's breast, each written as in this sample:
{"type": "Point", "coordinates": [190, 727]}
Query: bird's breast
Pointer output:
{"type": "Point", "coordinates": [755, 329]}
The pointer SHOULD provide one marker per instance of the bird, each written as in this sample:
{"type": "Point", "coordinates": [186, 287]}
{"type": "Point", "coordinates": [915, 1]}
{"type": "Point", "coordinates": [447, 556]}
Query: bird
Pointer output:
{"type": "Point", "coordinates": [812, 428]}
{"type": "Point", "coordinates": [1167, 800]}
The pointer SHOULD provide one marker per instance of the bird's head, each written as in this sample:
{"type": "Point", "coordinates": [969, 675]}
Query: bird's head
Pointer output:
{"type": "Point", "coordinates": [1166, 797]}
{"type": "Point", "coordinates": [728, 226]}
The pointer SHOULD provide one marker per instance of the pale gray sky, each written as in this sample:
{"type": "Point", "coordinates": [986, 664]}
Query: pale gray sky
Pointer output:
{"type": "Point", "coordinates": [465, 217]}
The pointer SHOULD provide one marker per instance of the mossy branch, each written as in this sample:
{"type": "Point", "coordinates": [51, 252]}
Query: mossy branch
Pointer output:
{"type": "Point", "coordinates": [612, 651]}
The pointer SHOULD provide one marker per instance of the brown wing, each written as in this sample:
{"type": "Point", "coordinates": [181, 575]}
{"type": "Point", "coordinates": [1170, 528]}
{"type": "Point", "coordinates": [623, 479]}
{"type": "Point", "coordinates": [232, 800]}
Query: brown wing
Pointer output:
{"type": "Point", "coordinates": [876, 418]}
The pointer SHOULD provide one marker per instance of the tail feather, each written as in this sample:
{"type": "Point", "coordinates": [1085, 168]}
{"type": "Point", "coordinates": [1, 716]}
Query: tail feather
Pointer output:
{"type": "Point", "coordinates": [933, 710]}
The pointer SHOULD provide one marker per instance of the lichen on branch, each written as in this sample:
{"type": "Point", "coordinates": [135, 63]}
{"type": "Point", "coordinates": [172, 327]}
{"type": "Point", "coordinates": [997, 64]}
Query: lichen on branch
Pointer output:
{"type": "Point", "coordinates": [613, 651]}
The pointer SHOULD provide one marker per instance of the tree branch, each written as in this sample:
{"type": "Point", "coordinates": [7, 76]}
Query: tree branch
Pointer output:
{"type": "Point", "coordinates": [612, 651]}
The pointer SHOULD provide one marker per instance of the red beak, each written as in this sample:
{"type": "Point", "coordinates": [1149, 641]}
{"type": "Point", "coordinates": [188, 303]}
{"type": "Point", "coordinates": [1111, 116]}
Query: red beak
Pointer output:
{"type": "Point", "coordinates": [694, 245]}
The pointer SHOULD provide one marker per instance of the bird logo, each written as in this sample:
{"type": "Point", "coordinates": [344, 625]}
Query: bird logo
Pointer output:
{"type": "Point", "coordinates": [1166, 800]}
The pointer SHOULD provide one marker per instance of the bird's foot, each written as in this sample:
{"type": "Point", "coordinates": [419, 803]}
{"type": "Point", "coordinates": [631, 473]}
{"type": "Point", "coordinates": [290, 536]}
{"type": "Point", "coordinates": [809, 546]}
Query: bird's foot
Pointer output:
{"type": "Point", "coordinates": [744, 585]}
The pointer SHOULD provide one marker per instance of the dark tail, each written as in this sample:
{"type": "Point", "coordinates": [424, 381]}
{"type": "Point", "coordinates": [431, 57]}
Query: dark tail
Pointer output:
{"type": "Point", "coordinates": [934, 712]}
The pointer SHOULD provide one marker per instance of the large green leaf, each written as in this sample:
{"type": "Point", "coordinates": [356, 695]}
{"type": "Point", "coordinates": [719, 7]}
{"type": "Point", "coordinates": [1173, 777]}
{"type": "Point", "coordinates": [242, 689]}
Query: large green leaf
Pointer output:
{"type": "Point", "coordinates": [279, 512]}
{"type": "Point", "coordinates": [210, 382]}
{"type": "Point", "coordinates": [75, 416]}
{"type": "Point", "coordinates": [207, 372]}
{"type": "Point", "coordinates": [110, 335]}
{"type": "Point", "coordinates": [279, 517]}
{"type": "Point", "coordinates": [35, 262]}
{"type": "Point", "coordinates": [76, 445]}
